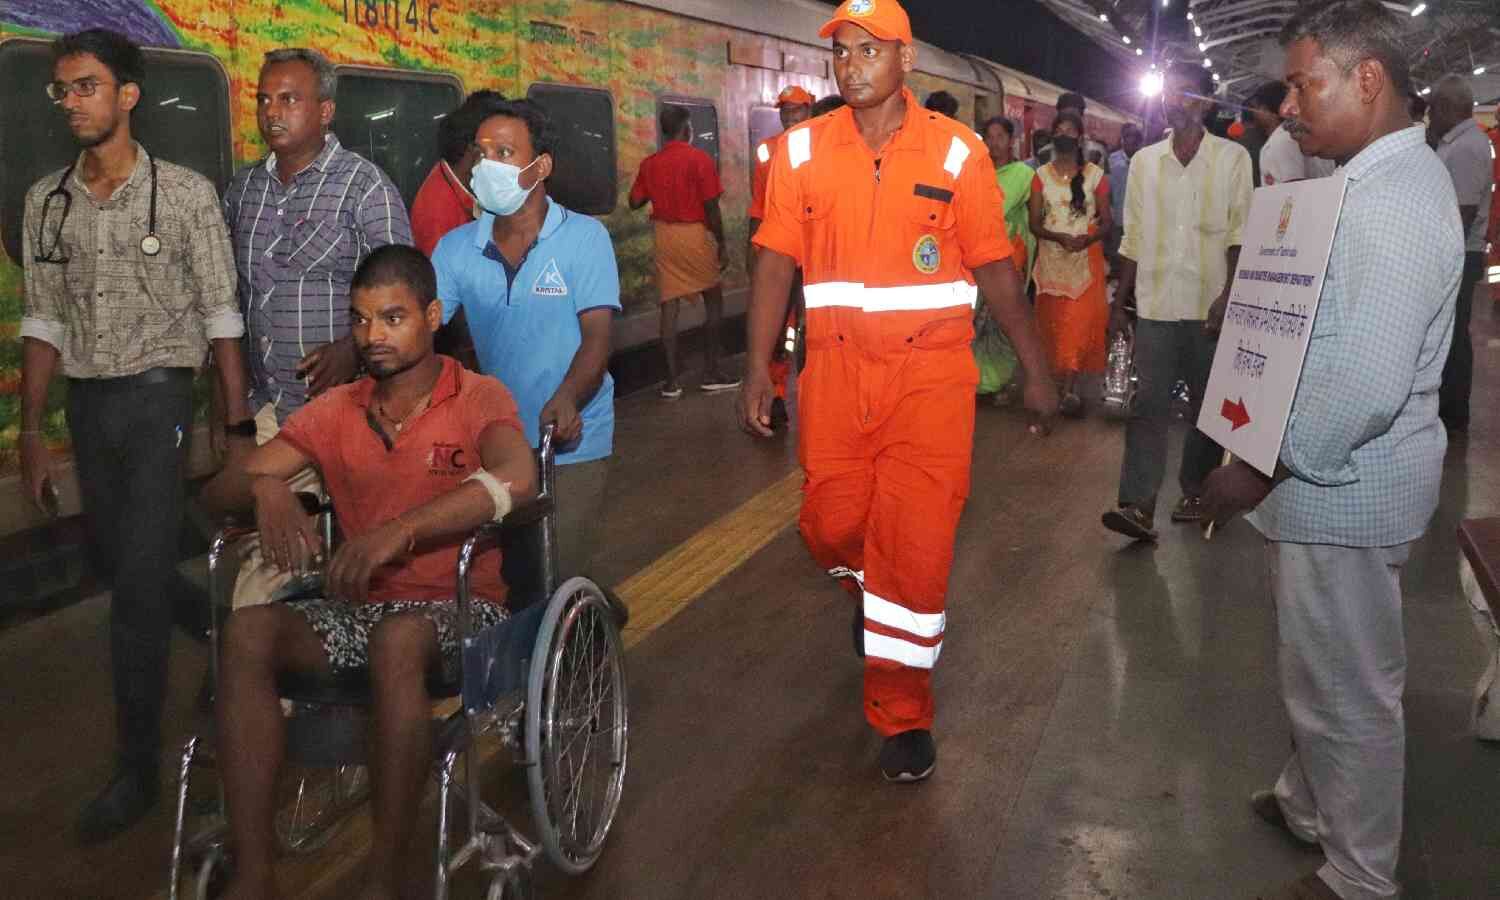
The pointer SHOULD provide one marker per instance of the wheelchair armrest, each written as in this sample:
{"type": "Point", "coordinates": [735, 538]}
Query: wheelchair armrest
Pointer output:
{"type": "Point", "coordinates": [527, 514]}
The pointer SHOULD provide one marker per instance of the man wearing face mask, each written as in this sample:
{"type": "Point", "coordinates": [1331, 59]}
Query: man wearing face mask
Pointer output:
{"type": "Point", "coordinates": [539, 285]}
{"type": "Point", "coordinates": [1185, 207]}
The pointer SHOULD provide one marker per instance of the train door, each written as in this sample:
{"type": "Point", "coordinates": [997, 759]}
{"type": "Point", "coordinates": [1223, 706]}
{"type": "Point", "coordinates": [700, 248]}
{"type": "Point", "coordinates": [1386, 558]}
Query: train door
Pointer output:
{"type": "Point", "coordinates": [765, 123]}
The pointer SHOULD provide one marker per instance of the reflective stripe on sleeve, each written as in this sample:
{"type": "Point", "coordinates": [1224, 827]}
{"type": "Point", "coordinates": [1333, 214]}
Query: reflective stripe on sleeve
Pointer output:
{"type": "Point", "coordinates": [879, 609]}
{"type": "Point", "coordinates": [958, 154]}
{"type": "Point", "coordinates": [763, 153]}
{"type": "Point", "coordinates": [880, 646]}
{"type": "Point", "coordinates": [799, 147]}
{"type": "Point", "coordinates": [890, 299]}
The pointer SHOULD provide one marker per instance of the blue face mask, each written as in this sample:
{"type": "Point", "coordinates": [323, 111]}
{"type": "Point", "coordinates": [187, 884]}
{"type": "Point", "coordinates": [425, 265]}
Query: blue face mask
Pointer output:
{"type": "Point", "coordinates": [497, 186]}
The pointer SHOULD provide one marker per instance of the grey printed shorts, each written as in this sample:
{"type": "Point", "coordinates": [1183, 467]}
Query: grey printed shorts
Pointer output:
{"type": "Point", "coordinates": [345, 628]}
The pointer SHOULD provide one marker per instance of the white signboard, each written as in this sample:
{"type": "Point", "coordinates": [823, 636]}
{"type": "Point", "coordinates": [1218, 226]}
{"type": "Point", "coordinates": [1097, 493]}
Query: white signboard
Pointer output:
{"type": "Point", "coordinates": [1267, 326]}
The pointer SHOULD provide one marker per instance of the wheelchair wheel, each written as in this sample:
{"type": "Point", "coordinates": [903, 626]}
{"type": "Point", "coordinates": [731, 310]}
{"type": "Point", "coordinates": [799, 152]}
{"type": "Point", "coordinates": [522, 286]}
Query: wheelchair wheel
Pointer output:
{"type": "Point", "coordinates": [577, 726]}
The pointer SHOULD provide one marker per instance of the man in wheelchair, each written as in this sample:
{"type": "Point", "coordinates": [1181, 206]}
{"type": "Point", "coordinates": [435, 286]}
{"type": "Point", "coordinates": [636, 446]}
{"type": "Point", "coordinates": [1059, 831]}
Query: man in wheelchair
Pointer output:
{"type": "Point", "coordinates": [415, 456]}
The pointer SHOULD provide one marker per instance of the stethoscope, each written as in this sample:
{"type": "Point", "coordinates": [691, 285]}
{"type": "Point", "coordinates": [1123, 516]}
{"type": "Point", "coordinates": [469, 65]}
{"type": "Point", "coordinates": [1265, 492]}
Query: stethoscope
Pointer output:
{"type": "Point", "coordinates": [150, 244]}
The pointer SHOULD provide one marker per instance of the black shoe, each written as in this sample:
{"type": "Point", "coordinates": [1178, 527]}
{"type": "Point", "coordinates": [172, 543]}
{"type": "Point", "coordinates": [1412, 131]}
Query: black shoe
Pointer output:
{"type": "Point", "coordinates": [1268, 808]}
{"type": "Point", "coordinates": [858, 629]}
{"type": "Point", "coordinates": [123, 802]}
{"type": "Point", "coordinates": [908, 756]}
{"type": "Point", "coordinates": [779, 417]}
{"type": "Point", "coordinates": [1129, 521]}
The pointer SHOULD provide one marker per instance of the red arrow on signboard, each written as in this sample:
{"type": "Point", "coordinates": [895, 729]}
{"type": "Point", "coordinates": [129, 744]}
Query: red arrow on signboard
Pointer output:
{"type": "Point", "coordinates": [1236, 413]}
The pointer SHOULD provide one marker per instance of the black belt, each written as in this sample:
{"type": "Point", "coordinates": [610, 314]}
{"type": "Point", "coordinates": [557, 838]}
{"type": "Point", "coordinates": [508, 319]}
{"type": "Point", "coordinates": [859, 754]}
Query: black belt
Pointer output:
{"type": "Point", "coordinates": [148, 378]}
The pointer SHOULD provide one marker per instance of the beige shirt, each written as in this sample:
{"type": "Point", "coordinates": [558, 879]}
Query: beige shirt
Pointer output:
{"type": "Point", "coordinates": [110, 309]}
{"type": "Point", "coordinates": [1180, 221]}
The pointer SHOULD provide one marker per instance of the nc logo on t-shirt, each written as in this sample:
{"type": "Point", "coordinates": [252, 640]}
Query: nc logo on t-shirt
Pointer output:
{"type": "Point", "coordinates": [445, 459]}
{"type": "Point", "coordinates": [550, 283]}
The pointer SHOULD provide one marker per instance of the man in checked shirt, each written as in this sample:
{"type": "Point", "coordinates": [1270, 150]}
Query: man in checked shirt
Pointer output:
{"type": "Point", "coordinates": [301, 221]}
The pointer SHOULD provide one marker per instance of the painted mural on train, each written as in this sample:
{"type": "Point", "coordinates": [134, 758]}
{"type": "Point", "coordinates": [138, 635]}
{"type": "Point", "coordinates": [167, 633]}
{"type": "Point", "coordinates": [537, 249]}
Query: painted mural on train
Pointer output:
{"type": "Point", "coordinates": [638, 54]}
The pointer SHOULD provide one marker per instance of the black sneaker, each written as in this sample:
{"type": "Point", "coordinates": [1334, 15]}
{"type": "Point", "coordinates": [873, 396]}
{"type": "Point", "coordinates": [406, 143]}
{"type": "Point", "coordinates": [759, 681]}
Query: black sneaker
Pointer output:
{"type": "Point", "coordinates": [908, 756]}
{"type": "Point", "coordinates": [1129, 521]}
{"type": "Point", "coordinates": [123, 802]}
{"type": "Point", "coordinates": [1268, 808]}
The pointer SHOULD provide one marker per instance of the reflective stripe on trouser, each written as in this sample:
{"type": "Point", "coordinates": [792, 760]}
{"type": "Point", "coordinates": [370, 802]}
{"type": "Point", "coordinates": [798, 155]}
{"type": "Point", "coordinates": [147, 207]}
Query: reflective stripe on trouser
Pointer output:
{"type": "Point", "coordinates": [1342, 658]}
{"type": "Point", "coordinates": [886, 445]}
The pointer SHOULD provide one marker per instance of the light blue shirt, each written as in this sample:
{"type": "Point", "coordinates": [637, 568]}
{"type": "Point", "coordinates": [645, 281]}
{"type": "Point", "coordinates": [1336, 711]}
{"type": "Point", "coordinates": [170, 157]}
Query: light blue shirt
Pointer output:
{"type": "Point", "coordinates": [525, 322]}
{"type": "Point", "coordinates": [1364, 444]}
{"type": "Point", "coordinates": [1119, 177]}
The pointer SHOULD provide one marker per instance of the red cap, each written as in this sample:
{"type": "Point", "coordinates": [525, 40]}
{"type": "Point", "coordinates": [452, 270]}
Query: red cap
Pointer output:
{"type": "Point", "coordinates": [885, 19]}
{"type": "Point", "coordinates": [1237, 130]}
{"type": "Point", "coordinates": [794, 96]}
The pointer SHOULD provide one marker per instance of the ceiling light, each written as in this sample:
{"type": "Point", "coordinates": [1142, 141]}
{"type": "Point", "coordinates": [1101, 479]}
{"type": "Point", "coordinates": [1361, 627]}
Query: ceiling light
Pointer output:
{"type": "Point", "coordinates": [1425, 91]}
{"type": "Point", "coordinates": [1139, 51]}
{"type": "Point", "coordinates": [1216, 76]}
{"type": "Point", "coordinates": [1165, 3]}
{"type": "Point", "coordinates": [1202, 47]}
{"type": "Point", "coordinates": [1190, 15]}
{"type": "Point", "coordinates": [1479, 70]}
{"type": "Point", "coordinates": [1197, 32]}
{"type": "Point", "coordinates": [1151, 84]}
{"type": "Point", "coordinates": [1207, 63]}
{"type": "Point", "coordinates": [1126, 39]}
{"type": "Point", "coordinates": [1104, 17]}
{"type": "Point", "coordinates": [1418, 9]}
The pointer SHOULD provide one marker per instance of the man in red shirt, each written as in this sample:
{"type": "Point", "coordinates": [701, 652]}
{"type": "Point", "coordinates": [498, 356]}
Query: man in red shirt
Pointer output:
{"type": "Point", "coordinates": [896, 219]}
{"type": "Point", "coordinates": [795, 106]}
{"type": "Point", "coordinates": [682, 185]}
{"type": "Point", "coordinates": [444, 201]}
{"type": "Point", "coordinates": [415, 456]}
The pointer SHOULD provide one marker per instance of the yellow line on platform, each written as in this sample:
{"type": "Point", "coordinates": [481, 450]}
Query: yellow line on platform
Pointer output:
{"type": "Point", "coordinates": [663, 589]}
{"type": "Point", "coordinates": [655, 595]}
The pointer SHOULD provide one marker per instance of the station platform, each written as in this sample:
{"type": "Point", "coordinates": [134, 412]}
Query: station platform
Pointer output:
{"type": "Point", "coordinates": [1104, 711]}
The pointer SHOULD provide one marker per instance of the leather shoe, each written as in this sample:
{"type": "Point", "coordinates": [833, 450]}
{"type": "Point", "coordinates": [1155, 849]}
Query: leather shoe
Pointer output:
{"type": "Point", "coordinates": [123, 802]}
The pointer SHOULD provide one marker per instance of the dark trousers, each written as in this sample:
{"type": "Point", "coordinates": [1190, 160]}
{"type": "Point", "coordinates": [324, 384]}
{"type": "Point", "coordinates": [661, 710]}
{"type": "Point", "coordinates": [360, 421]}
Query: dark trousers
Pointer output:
{"type": "Point", "coordinates": [1458, 372]}
{"type": "Point", "coordinates": [128, 445]}
{"type": "Point", "coordinates": [1165, 352]}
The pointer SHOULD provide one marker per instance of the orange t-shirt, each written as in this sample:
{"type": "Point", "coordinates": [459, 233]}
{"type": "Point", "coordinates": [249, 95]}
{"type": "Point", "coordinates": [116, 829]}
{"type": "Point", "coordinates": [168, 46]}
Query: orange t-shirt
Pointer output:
{"type": "Point", "coordinates": [887, 242]}
{"type": "Point", "coordinates": [371, 483]}
{"type": "Point", "coordinates": [677, 180]}
{"type": "Point", "coordinates": [441, 205]}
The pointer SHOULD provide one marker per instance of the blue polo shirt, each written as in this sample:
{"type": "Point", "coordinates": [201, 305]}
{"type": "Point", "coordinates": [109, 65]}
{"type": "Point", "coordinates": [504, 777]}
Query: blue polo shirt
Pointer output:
{"type": "Point", "coordinates": [525, 321]}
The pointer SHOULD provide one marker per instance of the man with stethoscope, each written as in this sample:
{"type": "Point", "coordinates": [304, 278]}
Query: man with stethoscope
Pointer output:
{"type": "Point", "coordinates": [129, 281]}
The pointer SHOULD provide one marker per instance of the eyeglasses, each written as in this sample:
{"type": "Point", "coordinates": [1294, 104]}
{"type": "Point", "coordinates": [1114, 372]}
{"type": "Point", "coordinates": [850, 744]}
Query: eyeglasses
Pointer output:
{"type": "Point", "coordinates": [83, 87]}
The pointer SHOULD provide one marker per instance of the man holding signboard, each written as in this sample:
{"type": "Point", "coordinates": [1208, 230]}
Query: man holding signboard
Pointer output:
{"type": "Point", "coordinates": [1357, 475]}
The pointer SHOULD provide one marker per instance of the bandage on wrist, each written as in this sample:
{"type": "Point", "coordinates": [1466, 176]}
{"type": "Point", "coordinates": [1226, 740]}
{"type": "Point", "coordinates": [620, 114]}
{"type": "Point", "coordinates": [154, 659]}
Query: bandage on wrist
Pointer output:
{"type": "Point", "coordinates": [499, 492]}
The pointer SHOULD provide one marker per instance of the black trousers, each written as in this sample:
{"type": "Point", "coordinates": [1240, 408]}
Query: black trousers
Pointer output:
{"type": "Point", "coordinates": [129, 438]}
{"type": "Point", "coordinates": [1458, 372]}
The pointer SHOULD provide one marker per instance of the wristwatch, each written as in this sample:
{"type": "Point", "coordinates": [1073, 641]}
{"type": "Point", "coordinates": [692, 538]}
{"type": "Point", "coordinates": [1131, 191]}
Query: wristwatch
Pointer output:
{"type": "Point", "coordinates": [244, 428]}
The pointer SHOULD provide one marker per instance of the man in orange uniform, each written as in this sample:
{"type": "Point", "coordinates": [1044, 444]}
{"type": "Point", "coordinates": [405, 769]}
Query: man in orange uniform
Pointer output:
{"type": "Point", "coordinates": [894, 215]}
{"type": "Point", "coordinates": [795, 106]}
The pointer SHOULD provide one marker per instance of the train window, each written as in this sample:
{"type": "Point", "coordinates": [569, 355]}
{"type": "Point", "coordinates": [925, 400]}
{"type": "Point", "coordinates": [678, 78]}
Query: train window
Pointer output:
{"type": "Point", "coordinates": [705, 118]}
{"type": "Point", "coordinates": [390, 117]}
{"type": "Point", "coordinates": [183, 117]}
{"type": "Point", "coordinates": [584, 171]}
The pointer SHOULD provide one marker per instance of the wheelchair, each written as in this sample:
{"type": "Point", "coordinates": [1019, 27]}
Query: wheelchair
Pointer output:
{"type": "Point", "coordinates": [548, 682]}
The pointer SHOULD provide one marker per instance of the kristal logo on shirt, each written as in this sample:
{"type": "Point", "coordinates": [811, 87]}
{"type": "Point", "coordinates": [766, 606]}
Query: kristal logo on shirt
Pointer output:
{"type": "Point", "coordinates": [550, 283]}
{"type": "Point", "coordinates": [445, 459]}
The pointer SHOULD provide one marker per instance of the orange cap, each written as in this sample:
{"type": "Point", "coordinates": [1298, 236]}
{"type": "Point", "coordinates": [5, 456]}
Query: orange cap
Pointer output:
{"type": "Point", "coordinates": [794, 96]}
{"type": "Point", "coordinates": [883, 18]}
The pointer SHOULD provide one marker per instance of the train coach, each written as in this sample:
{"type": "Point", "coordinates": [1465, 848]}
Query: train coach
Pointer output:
{"type": "Point", "coordinates": [603, 69]}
